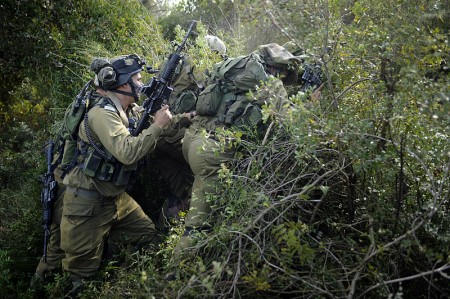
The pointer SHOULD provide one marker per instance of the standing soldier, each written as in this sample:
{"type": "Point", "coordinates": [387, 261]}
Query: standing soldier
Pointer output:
{"type": "Point", "coordinates": [96, 205]}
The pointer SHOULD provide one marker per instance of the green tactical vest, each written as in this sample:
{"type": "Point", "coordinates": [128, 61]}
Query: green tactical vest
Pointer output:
{"type": "Point", "coordinates": [98, 163]}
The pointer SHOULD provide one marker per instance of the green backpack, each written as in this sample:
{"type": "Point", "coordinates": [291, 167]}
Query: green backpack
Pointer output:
{"type": "Point", "coordinates": [225, 97]}
{"type": "Point", "coordinates": [68, 135]}
{"type": "Point", "coordinates": [185, 88]}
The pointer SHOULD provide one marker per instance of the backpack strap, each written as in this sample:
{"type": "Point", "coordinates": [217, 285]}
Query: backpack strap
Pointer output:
{"type": "Point", "coordinates": [106, 104]}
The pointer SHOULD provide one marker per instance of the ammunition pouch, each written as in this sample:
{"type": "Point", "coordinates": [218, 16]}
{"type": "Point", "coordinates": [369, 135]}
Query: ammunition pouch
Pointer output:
{"type": "Point", "coordinates": [107, 168]}
{"type": "Point", "coordinates": [70, 149]}
{"type": "Point", "coordinates": [184, 102]}
{"type": "Point", "coordinates": [209, 100]}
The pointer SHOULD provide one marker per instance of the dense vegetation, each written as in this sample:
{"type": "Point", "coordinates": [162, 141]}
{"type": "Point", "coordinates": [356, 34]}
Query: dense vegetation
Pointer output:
{"type": "Point", "coordinates": [347, 197]}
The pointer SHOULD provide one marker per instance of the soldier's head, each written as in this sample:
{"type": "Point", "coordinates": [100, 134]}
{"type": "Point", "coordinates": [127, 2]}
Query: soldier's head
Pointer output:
{"type": "Point", "coordinates": [279, 62]}
{"type": "Point", "coordinates": [216, 44]}
{"type": "Point", "coordinates": [114, 75]}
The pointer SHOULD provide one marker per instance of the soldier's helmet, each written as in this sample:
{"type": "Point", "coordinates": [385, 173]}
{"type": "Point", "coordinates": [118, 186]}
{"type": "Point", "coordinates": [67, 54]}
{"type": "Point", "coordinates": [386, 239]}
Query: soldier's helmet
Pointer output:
{"type": "Point", "coordinates": [117, 72]}
{"type": "Point", "coordinates": [216, 44]}
{"type": "Point", "coordinates": [277, 57]}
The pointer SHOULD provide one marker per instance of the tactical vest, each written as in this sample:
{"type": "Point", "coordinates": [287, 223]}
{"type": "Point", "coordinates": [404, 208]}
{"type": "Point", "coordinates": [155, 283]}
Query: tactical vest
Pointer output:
{"type": "Point", "coordinates": [96, 162]}
{"type": "Point", "coordinates": [225, 100]}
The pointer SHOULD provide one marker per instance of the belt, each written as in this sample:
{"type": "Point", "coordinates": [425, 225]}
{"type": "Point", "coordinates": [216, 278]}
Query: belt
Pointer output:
{"type": "Point", "coordinates": [86, 193]}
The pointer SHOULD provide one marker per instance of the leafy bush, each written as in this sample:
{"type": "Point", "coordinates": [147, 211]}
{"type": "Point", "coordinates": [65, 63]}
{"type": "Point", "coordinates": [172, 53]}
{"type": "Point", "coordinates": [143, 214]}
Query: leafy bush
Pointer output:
{"type": "Point", "coordinates": [346, 197]}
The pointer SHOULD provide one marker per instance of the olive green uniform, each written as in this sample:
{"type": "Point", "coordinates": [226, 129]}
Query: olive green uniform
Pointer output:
{"type": "Point", "coordinates": [204, 153]}
{"type": "Point", "coordinates": [96, 208]}
{"type": "Point", "coordinates": [186, 84]}
{"type": "Point", "coordinates": [205, 156]}
{"type": "Point", "coordinates": [169, 156]}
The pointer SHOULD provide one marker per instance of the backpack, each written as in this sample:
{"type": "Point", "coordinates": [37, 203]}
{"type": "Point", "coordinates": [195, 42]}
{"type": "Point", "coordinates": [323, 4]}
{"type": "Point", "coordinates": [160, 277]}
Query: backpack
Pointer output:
{"type": "Point", "coordinates": [68, 134]}
{"type": "Point", "coordinates": [185, 88]}
{"type": "Point", "coordinates": [226, 95]}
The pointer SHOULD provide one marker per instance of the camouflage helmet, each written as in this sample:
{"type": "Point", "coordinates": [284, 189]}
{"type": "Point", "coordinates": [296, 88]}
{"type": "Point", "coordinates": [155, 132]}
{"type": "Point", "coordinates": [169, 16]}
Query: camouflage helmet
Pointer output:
{"type": "Point", "coordinates": [277, 56]}
{"type": "Point", "coordinates": [118, 71]}
{"type": "Point", "coordinates": [277, 59]}
{"type": "Point", "coordinates": [216, 44]}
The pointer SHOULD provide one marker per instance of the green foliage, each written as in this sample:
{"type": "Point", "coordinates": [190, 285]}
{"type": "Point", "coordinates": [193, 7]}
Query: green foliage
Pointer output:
{"type": "Point", "coordinates": [6, 277]}
{"type": "Point", "coordinates": [345, 197]}
{"type": "Point", "coordinates": [65, 37]}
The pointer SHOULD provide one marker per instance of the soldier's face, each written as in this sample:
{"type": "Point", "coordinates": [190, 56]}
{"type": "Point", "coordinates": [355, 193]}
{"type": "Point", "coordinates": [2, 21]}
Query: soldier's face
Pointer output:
{"type": "Point", "coordinates": [138, 84]}
{"type": "Point", "coordinates": [137, 79]}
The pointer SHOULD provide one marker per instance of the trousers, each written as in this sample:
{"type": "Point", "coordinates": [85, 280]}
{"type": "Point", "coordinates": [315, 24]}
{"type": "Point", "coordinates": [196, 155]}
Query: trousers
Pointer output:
{"type": "Point", "coordinates": [89, 220]}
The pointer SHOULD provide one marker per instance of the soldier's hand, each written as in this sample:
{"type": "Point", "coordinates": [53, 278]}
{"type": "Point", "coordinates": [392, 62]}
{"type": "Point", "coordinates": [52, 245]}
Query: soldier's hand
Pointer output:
{"type": "Point", "coordinates": [162, 117]}
{"type": "Point", "coordinates": [315, 96]}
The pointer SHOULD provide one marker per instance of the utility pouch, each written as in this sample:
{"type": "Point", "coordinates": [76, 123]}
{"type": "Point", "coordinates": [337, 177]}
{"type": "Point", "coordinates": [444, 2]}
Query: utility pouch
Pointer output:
{"type": "Point", "coordinates": [243, 113]}
{"type": "Point", "coordinates": [251, 117]}
{"type": "Point", "coordinates": [185, 102]}
{"type": "Point", "coordinates": [95, 166]}
{"type": "Point", "coordinates": [70, 147]}
{"type": "Point", "coordinates": [123, 174]}
{"type": "Point", "coordinates": [209, 100]}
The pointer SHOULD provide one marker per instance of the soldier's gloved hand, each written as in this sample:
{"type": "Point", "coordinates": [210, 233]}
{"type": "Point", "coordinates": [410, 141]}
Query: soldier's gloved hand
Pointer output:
{"type": "Point", "coordinates": [163, 117]}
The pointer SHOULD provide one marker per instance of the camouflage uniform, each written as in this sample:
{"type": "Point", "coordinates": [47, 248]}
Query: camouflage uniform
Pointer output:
{"type": "Point", "coordinates": [203, 151]}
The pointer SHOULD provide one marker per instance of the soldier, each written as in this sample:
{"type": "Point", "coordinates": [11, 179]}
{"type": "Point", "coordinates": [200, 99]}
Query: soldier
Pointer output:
{"type": "Point", "coordinates": [187, 83]}
{"type": "Point", "coordinates": [61, 161]}
{"type": "Point", "coordinates": [225, 104]}
{"type": "Point", "coordinates": [301, 84]}
{"type": "Point", "coordinates": [96, 205]}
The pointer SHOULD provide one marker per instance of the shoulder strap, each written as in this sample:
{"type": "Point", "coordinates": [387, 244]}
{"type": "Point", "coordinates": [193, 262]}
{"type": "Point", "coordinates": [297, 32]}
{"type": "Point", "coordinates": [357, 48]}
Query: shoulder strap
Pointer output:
{"type": "Point", "coordinates": [102, 153]}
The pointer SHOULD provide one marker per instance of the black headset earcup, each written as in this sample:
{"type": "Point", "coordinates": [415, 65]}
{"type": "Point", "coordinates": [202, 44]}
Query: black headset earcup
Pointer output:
{"type": "Point", "coordinates": [107, 77]}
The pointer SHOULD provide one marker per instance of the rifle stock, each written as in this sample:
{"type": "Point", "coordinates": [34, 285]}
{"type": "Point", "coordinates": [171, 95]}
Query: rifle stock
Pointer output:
{"type": "Point", "coordinates": [158, 90]}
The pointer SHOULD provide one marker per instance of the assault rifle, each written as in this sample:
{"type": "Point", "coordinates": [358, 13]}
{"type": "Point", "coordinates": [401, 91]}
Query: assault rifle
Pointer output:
{"type": "Point", "coordinates": [311, 77]}
{"type": "Point", "coordinates": [48, 194]}
{"type": "Point", "coordinates": [158, 90]}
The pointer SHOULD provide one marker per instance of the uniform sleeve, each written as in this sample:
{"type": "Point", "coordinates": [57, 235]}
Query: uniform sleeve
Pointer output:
{"type": "Point", "coordinates": [107, 127]}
